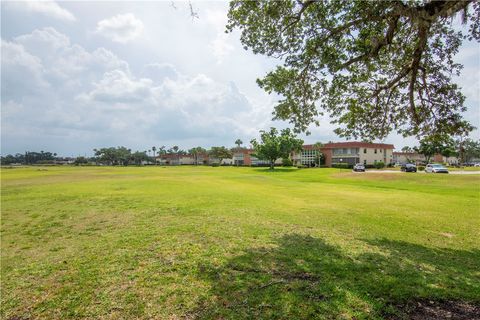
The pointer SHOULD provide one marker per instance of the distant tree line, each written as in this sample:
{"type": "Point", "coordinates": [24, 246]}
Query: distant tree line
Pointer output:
{"type": "Point", "coordinates": [29, 157]}
{"type": "Point", "coordinates": [272, 145]}
{"type": "Point", "coordinates": [466, 150]}
{"type": "Point", "coordinates": [120, 156]}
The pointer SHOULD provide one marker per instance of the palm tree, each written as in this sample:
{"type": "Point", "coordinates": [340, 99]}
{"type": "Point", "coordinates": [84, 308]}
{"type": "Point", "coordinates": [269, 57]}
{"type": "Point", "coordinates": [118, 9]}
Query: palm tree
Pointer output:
{"type": "Point", "coordinates": [175, 150]}
{"type": "Point", "coordinates": [154, 149]}
{"type": "Point", "coordinates": [238, 142]}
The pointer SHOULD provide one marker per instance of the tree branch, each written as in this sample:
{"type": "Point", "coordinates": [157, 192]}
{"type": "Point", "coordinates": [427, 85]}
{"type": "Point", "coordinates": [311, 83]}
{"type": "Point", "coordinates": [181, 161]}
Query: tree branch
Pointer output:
{"type": "Point", "coordinates": [298, 16]}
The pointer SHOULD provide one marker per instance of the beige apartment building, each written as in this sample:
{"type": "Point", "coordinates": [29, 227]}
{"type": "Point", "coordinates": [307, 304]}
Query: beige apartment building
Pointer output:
{"type": "Point", "coordinates": [346, 152]}
{"type": "Point", "coordinates": [358, 152]}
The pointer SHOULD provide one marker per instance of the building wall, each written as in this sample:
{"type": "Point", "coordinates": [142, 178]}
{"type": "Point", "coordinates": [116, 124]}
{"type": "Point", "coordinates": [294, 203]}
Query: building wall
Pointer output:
{"type": "Point", "coordinates": [405, 157]}
{"type": "Point", "coordinates": [369, 156]}
{"type": "Point", "coordinates": [187, 160]}
{"type": "Point", "coordinates": [328, 156]}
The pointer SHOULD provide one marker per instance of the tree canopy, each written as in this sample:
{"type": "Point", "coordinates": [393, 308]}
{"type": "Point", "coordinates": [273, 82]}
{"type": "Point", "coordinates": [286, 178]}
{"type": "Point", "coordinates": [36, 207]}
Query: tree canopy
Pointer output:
{"type": "Point", "coordinates": [220, 153]}
{"type": "Point", "coordinates": [468, 150]}
{"type": "Point", "coordinates": [120, 156]}
{"type": "Point", "coordinates": [273, 145]}
{"type": "Point", "coordinates": [373, 66]}
{"type": "Point", "coordinates": [431, 145]}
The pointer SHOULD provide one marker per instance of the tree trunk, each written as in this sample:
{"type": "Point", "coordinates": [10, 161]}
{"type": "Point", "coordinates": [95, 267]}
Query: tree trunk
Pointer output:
{"type": "Point", "coordinates": [272, 165]}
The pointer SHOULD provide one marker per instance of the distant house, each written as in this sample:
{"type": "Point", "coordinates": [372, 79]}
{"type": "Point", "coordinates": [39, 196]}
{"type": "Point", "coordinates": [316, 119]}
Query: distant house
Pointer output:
{"type": "Point", "coordinates": [408, 157]}
{"type": "Point", "coordinates": [171, 159]}
{"type": "Point", "coordinates": [245, 157]}
{"type": "Point", "coordinates": [417, 158]}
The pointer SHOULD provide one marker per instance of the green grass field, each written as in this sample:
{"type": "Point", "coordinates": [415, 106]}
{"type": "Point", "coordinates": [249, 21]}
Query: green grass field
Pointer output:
{"type": "Point", "coordinates": [234, 243]}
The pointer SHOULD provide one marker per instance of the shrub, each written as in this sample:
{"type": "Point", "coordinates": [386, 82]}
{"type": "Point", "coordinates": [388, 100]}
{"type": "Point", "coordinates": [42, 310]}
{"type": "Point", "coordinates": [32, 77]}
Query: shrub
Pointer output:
{"type": "Point", "coordinates": [379, 165]}
{"type": "Point", "coordinates": [287, 162]}
{"type": "Point", "coordinates": [216, 164]}
{"type": "Point", "coordinates": [300, 166]}
{"type": "Point", "coordinates": [420, 168]}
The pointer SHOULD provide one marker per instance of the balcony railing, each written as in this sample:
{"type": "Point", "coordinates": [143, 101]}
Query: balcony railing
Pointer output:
{"type": "Point", "coordinates": [346, 155]}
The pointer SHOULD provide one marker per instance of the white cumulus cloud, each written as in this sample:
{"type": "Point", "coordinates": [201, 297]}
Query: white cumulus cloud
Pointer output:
{"type": "Point", "coordinates": [46, 7]}
{"type": "Point", "coordinates": [220, 45]}
{"type": "Point", "coordinates": [56, 92]}
{"type": "Point", "coordinates": [121, 28]}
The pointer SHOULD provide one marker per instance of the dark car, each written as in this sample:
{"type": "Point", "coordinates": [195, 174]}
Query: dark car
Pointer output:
{"type": "Point", "coordinates": [359, 168]}
{"type": "Point", "coordinates": [409, 167]}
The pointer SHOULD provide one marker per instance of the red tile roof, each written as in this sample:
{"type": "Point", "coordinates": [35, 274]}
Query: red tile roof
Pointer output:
{"type": "Point", "coordinates": [356, 144]}
{"type": "Point", "coordinates": [308, 147]}
{"type": "Point", "coordinates": [398, 153]}
{"type": "Point", "coordinates": [173, 156]}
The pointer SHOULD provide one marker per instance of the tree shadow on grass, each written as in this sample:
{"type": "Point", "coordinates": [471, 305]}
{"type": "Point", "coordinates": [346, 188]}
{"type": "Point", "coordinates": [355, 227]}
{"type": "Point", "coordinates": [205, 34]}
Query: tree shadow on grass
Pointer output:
{"type": "Point", "coordinates": [306, 278]}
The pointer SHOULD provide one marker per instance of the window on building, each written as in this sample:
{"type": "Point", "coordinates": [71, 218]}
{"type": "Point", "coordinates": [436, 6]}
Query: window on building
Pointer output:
{"type": "Point", "coordinates": [375, 150]}
{"type": "Point", "coordinates": [365, 161]}
{"type": "Point", "coordinates": [364, 150]}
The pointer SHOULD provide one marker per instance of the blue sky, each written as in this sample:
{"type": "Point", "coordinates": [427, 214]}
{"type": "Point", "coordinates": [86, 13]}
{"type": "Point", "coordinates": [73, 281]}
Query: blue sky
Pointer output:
{"type": "Point", "coordinates": [84, 75]}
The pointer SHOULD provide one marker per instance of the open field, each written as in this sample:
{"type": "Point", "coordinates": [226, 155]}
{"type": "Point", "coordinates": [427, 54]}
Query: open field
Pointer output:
{"type": "Point", "coordinates": [234, 243]}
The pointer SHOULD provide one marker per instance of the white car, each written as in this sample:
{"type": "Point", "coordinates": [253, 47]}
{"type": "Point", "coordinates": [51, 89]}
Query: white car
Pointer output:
{"type": "Point", "coordinates": [435, 168]}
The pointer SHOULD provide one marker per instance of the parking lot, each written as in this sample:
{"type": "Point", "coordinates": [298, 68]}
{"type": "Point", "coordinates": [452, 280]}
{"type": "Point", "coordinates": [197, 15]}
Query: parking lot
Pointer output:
{"type": "Point", "coordinates": [422, 172]}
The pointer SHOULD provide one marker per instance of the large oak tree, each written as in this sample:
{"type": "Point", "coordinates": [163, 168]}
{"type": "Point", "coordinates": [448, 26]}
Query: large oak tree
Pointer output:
{"type": "Point", "coordinates": [373, 66]}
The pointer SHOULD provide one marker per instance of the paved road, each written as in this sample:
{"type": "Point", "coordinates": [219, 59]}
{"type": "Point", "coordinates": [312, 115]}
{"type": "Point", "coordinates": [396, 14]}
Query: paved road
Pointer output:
{"type": "Point", "coordinates": [395, 171]}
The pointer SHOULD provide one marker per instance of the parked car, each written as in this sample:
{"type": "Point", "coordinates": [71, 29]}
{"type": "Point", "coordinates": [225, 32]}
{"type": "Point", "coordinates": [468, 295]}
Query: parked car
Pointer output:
{"type": "Point", "coordinates": [359, 168]}
{"type": "Point", "coordinates": [435, 168]}
{"type": "Point", "coordinates": [408, 167]}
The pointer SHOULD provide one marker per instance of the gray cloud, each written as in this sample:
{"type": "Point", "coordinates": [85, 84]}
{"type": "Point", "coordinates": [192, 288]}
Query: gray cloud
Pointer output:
{"type": "Point", "coordinates": [92, 96]}
{"type": "Point", "coordinates": [66, 89]}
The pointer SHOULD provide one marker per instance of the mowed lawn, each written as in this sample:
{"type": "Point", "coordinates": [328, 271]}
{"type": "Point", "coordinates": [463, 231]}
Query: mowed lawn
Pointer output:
{"type": "Point", "coordinates": [234, 243]}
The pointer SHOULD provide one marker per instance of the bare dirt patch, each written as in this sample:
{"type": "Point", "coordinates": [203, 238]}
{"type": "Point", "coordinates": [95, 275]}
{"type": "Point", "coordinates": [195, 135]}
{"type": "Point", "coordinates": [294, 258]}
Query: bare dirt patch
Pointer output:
{"type": "Point", "coordinates": [439, 310]}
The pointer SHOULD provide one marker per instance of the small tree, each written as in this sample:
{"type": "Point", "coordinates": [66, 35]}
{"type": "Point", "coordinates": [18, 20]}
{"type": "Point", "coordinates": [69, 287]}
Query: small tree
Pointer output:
{"type": "Point", "coordinates": [220, 153]}
{"type": "Point", "coordinates": [429, 146]}
{"type": "Point", "coordinates": [138, 156]}
{"type": "Point", "coordinates": [468, 150]}
{"type": "Point", "coordinates": [80, 160]}
{"type": "Point", "coordinates": [273, 145]}
{"type": "Point", "coordinates": [195, 152]}
{"type": "Point", "coordinates": [319, 157]}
